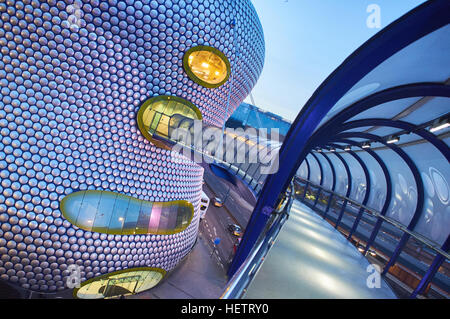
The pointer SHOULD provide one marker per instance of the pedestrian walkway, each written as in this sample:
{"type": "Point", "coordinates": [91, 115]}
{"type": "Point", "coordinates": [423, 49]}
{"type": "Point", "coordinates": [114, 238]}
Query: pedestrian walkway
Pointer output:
{"type": "Point", "coordinates": [311, 259]}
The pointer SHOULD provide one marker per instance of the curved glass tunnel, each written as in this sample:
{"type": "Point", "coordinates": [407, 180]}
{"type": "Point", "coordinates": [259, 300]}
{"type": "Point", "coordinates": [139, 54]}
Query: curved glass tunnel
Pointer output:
{"type": "Point", "coordinates": [375, 163]}
{"type": "Point", "coordinates": [176, 124]}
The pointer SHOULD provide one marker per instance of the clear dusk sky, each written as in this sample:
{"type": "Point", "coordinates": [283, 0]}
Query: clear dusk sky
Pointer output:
{"type": "Point", "coordinates": [306, 40]}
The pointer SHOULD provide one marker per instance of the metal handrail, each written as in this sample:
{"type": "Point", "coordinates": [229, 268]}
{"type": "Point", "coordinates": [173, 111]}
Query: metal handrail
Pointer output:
{"type": "Point", "coordinates": [389, 220]}
{"type": "Point", "coordinates": [244, 275]}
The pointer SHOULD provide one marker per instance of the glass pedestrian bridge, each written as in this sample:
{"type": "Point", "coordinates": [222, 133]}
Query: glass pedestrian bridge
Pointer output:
{"type": "Point", "coordinates": [364, 180]}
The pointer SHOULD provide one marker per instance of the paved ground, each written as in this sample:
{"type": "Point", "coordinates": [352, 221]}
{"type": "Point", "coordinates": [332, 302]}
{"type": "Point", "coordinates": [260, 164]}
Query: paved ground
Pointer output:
{"type": "Point", "coordinates": [199, 276]}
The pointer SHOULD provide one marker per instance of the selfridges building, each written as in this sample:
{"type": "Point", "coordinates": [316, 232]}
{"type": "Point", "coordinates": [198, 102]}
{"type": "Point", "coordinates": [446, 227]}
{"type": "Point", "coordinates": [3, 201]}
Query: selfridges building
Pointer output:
{"type": "Point", "coordinates": [86, 88]}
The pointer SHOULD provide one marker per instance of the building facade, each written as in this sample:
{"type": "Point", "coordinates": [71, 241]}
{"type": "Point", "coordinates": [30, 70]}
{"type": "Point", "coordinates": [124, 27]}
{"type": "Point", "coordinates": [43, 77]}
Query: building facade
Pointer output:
{"type": "Point", "coordinates": [73, 77]}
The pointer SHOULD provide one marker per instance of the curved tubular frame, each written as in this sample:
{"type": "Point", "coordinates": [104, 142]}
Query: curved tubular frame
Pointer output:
{"type": "Point", "coordinates": [423, 20]}
{"type": "Point", "coordinates": [388, 198]}
{"type": "Point", "coordinates": [388, 95]}
{"type": "Point", "coordinates": [333, 172]}
{"type": "Point", "coordinates": [437, 262]}
{"type": "Point", "coordinates": [367, 192]}
{"type": "Point", "coordinates": [307, 178]}
{"type": "Point", "coordinates": [320, 167]}
{"type": "Point", "coordinates": [419, 185]}
{"type": "Point", "coordinates": [430, 137]}
{"type": "Point", "coordinates": [439, 144]}
{"type": "Point", "coordinates": [321, 177]}
{"type": "Point", "coordinates": [349, 188]}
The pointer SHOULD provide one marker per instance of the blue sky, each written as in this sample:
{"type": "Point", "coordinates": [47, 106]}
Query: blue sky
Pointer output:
{"type": "Point", "coordinates": [306, 40]}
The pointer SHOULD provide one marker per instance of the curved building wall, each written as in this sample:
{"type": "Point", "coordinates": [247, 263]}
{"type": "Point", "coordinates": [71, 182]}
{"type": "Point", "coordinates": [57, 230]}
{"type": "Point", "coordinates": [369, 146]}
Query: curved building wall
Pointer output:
{"type": "Point", "coordinates": [72, 80]}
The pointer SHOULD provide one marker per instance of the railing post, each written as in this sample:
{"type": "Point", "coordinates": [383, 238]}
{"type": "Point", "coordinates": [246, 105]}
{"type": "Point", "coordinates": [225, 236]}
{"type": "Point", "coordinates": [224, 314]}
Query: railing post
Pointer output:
{"type": "Point", "coordinates": [304, 193]}
{"type": "Point", "coordinates": [355, 224]}
{"type": "Point", "coordinates": [317, 197]}
{"type": "Point", "coordinates": [434, 267]}
{"type": "Point", "coordinates": [341, 213]}
{"type": "Point", "coordinates": [330, 199]}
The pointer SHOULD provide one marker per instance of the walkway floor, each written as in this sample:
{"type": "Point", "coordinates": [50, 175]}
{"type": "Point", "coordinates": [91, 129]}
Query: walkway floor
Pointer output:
{"type": "Point", "coordinates": [310, 259]}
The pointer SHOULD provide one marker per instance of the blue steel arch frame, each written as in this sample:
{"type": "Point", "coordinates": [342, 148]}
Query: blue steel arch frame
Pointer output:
{"type": "Point", "coordinates": [349, 188]}
{"type": "Point", "coordinates": [439, 144]}
{"type": "Point", "coordinates": [320, 167]}
{"type": "Point", "coordinates": [308, 167]}
{"type": "Point", "coordinates": [388, 180]}
{"type": "Point", "coordinates": [333, 172]}
{"type": "Point", "coordinates": [321, 177]}
{"type": "Point", "coordinates": [417, 179]}
{"type": "Point", "coordinates": [367, 193]}
{"type": "Point", "coordinates": [388, 95]}
{"type": "Point", "coordinates": [430, 137]}
{"type": "Point", "coordinates": [419, 185]}
{"type": "Point", "coordinates": [419, 22]}
{"type": "Point", "coordinates": [437, 262]}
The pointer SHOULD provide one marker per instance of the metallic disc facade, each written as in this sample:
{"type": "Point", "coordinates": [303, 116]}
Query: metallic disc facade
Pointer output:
{"type": "Point", "coordinates": [72, 77]}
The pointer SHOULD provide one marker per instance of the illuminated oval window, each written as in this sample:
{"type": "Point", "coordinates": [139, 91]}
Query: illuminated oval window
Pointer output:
{"type": "Point", "coordinates": [118, 214]}
{"type": "Point", "coordinates": [120, 283]}
{"type": "Point", "coordinates": [206, 66]}
{"type": "Point", "coordinates": [156, 115]}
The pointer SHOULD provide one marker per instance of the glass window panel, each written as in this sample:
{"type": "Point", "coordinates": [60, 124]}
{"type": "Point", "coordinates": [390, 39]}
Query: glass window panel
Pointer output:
{"type": "Point", "coordinates": [147, 117]}
{"type": "Point", "coordinates": [172, 211]}
{"type": "Point", "coordinates": [163, 126]}
{"type": "Point", "coordinates": [88, 210]}
{"type": "Point", "coordinates": [164, 219]}
{"type": "Point", "coordinates": [341, 175]}
{"type": "Point", "coordinates": [155, 217]}
{"type": "Point", "coordinates": [155, 122]}
{"type": "Point", "coordinates": [118, 215]}
{"type": "Point", "coordinates": [105, 207]}
{"type": "Point", "coordinates": [144, 217]}
{"type": "Point", "coordinates": [434, 222]}
{"type": "Point", "coordinates": [315, 171]}
{"type": "Point", "coordinates": [359, 185]}
{"type": "Point", "coordinates": [132, 216]}
{"type": "Point", "coordinates": [207, 66]}
{"type": "Point", "coordinates": [404, 190]}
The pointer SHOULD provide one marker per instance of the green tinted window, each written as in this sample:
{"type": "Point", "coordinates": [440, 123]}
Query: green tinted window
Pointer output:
{"type": "Point", "coordinates": [118, 214]}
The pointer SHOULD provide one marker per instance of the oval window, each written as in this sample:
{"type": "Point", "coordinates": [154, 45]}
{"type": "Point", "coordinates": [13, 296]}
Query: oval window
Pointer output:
{"type": "Point", "coordinates": [120, 283]}
{"type": "Point", "coordinates": [160, 114]}
{"type": "Point", "coordinates": [206, 66]}
{"type": "Point", "coordinates": [118, 214]}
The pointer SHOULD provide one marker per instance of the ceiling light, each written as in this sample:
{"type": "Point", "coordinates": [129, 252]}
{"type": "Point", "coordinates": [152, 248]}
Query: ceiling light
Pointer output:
{"type": "Point", "coordinates": [332, 149]}
{"type": "Point", "coordinates": [393, 139]}
{"type": "Point", "coordinates": [347, 148]}
{"type": "Point", "coordinates": [366, 145]}
{"type": "Point", "coordinates": [440, 124]}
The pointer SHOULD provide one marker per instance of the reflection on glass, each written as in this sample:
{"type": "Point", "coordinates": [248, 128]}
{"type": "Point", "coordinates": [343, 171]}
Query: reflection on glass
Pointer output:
{"type": "Point", "coordinates": [156, 114]}
{"type": "Point", "coordinates": [207, 66]}
{"type": "Point", "coordinates": [117, 214]}
{"type": "Point", "coordinates": [124, 282]}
